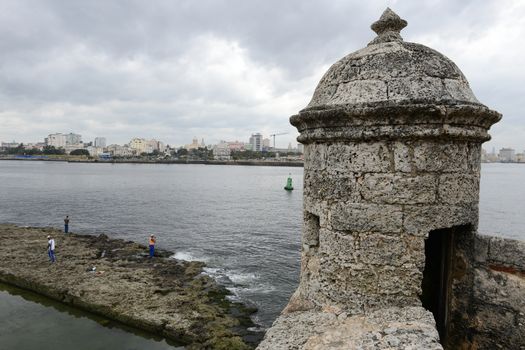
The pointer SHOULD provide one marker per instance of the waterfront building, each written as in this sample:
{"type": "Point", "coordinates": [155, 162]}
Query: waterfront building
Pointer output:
{"type": "Point", "coordinates": [162, 147]}
{"type": "Point", "coordinates": [119, 151]}
{"type": "Point", "coordinates": [487, 157]}
{"type": "Point", "coordinates": [138, 145]}
{"type": "Point", "coordinates": [100, 142]}
{"type": "Point", "coordinates": [256, 142]}
{"type": "Point", "coordinates": [300, 148]}
{"type": "Point", "coordinates": [95, 151]}
{"type": "Point", "coordinates": [38, 146]}
{"type": "Point", "coordinates": [71, 147]}
{"type": "Point", "coordinates": [236, 145]}
{"type": "Point", "coordinates": [266, 144]}
{"type": "Point", "coordinates": [221, 151]}
{"type": "Point", "coordinates": [68, 142]}
{"type": "Point", "coordinates": [6, 145]}
{"type": "Point", "coordinates": [57, 140]}
{"type": "Point", "coordinates": [507, 155]}
{"type": "Point", "coordinates": [73, 139]}
{"type": "Point", "coordinates": [193, 145]}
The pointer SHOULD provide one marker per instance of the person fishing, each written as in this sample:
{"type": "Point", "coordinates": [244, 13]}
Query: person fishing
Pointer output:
{"type": "Point", "coordinates": [151, 245]}
{"type": "Point", "coordinates": [51, 248]}
{"type": "Point", "coordinates": [66, 224]}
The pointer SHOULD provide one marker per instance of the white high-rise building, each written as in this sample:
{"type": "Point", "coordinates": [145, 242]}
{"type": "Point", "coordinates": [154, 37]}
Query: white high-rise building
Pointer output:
{"type": "Point", "coordinates": [100, 142]}
{"type": "Point", "coordinates": [256, 142]}
{"type": "Point", "coordinates": [221, 151]}
{"type": "Point", "coordinates": [57, 140]}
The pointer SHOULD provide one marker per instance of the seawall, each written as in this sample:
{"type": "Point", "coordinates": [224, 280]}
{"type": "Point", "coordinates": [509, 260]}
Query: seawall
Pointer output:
{"type": "Point", "coordinates": [171, 161]}
{"type": "Point", "coordinates": [165, 296]}
{"type": "Point", "coordinates": [488, 311]}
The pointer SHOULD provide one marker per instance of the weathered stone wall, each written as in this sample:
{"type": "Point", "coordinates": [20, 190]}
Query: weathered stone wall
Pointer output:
{"type": "Point", "coordinates": [375, 203]}
{"type": "Point", "coordinates": [492, 312]}
{"type": "Point", "coordinates": [410, 328]}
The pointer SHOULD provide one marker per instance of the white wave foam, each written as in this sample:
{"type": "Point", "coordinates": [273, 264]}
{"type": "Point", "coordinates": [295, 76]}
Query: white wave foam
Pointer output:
{"type": "Point", "coordinates": [187, 256]}
{"type": "Point", "coordinates": [242, 278]}
{"type": "Point", "coordinates": [211, 271]}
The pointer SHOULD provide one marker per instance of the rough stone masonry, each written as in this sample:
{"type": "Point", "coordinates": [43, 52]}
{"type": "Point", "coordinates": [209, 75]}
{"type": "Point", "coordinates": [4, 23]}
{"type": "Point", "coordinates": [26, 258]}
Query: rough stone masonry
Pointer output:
{"type": "Point", "coordinates": [392, 141]}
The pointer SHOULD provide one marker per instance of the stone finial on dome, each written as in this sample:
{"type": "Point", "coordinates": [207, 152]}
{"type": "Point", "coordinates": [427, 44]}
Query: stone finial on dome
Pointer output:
{"type": "Point", "coordinates": [388, 27]}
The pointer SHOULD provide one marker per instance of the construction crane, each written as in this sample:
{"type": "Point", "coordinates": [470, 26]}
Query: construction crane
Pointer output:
{"type": "Point", "coordinates": [277, 134]}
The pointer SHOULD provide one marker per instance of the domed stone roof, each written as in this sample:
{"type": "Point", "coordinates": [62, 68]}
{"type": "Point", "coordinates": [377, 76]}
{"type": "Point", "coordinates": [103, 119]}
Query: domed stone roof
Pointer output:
{"type": "Point", "coordinates": [392, 71]}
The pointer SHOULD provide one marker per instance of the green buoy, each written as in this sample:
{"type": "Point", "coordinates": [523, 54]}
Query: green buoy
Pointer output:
{"type": "Point", "coordinates": [289, 186]}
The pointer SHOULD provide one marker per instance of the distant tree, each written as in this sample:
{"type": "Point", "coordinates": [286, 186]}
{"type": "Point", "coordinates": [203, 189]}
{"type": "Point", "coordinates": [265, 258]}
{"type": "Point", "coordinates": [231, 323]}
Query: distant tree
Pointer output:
{"type": "Point", "coordinates": [53, 150]}
{"type": "Point", "coordinates": [32, 151]}
{"type": "Point", "coordinates": [248, 155]}
{"type": "Point", "coordinates": [79, 152]}
{"type": "Point", "coordinates": [181, 153]}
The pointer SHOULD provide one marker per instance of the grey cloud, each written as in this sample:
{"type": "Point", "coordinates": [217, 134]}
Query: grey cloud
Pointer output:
{"type": "Point", "coordinates": [123, 68]}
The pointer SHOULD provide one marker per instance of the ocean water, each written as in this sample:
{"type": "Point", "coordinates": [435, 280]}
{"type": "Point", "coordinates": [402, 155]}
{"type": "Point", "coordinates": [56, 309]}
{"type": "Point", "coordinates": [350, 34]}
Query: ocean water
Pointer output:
{"type": "Point", "coordinates": [501, 202]}
{"type": "Point", "coordinates": [238, 219]}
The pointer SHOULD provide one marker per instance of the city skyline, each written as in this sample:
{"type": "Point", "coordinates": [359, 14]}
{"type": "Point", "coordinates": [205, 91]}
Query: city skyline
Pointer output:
{"type": "Point", "coordinates": [264, 139]}
{"type": "Point", "coordinates": [172, 72]}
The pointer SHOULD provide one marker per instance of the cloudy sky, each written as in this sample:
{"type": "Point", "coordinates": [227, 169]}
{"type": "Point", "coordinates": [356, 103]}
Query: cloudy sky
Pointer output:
{"type": "Point", "coordinates": [220, 69]}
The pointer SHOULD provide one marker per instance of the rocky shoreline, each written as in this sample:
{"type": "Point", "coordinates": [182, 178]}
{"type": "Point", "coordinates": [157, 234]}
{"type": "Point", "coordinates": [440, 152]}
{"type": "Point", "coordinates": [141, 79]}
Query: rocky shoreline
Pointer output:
{"type": "Point", "coordinates": [165, 296]}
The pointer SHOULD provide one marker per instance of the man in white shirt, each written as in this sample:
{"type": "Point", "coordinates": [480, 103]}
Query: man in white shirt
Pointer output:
{"type": "Point", "coordinates": [51, 248]}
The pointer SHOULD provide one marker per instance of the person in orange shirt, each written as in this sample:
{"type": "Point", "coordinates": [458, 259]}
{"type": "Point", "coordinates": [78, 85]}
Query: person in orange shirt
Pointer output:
{"type": "Point", "coordinates": [151, 245]}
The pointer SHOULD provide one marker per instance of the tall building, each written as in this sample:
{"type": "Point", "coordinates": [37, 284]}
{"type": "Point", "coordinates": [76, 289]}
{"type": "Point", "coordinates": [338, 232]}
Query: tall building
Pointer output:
{"type": "Point", "coordinates": [57, 140]}
{"type": "Point", "coordinates": [100, 142]}
{"type": "Point", "coordinates": [256, 142]}
{"type": "Point", "coordinates": [507, 155]}
{"type": "Point", "coordinates": [221, 151]}
{"type": "Point", "coordinates": [266, 144]}
{"type": "Point", "coordinates": [138, 145]}
{"type": "Point", "coordinates": [154, 145]}
{"type": "Point", "coordinates": [73, 139]}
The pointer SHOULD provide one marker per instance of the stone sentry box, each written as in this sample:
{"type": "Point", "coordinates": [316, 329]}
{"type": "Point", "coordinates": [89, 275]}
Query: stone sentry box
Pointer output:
{"type": "Point", "coordinates": [392, 140]}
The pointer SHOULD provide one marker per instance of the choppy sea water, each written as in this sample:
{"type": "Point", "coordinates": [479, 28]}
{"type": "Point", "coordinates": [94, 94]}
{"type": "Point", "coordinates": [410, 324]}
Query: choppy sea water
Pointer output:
{"type": "Point", "coordinates": [238, 219]}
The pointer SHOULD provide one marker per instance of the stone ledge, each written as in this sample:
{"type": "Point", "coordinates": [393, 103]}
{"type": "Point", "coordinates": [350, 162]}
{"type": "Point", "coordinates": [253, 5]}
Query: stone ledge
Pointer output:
{"type": "Point", "coordinates": [500, 251]}
{"type": "Point", "coordinates": [391, 328]}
